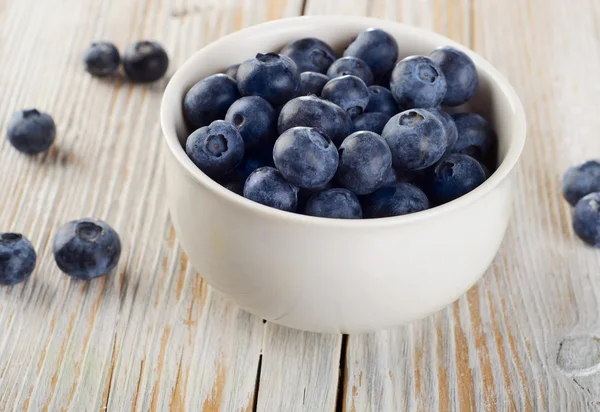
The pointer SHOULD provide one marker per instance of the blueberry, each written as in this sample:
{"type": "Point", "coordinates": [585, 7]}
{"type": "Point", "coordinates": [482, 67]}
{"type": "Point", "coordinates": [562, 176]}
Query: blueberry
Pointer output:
{"type": "Point", "coordinates": [418, 82]}
{"type": "Point", "coordinates": [254, 118]}
{"type": "Point", "coordinates": [460, 73]}
{"type": "Point", "coordinates": [101, 59]}
{"type": "Point", "coordinates": [453, 176]}
{"type": "Point", "coordinates": [353, 66]}
{"type": "Point", "coordinates": [384, 79]}
{"type": "Point", "coordinates": [209, 99]}
{"type": "Point", "coordinates": [311, 111]}
{"type": "Point", "coordinates": [247, 166]}
{"type": "Point", "coordinates": [216, 149]}
{"type": "Point", "coordinates": [377, 48]}
{"type": "Point", "coordinates": [86, 248]}
{"type": "Point", "coordinates": [348, 92]}
{"type": "Point", "coordinates": [232, 71]}
{"type": "Point", "coordinates": [305, 194]}
{"type": "Point", "coordinates": [365, 162]}
{"type": "Point", "coordinates": [334, 204]}
{"type": "Point", "coordinates": [581, 180]}
{"type": "Point", "coordinates": [310, 55]}
{"type": "Point", "coordinates": [372, 122]}
{"type": "Point", "coordinates": [475, 136]}
{"type": "Point", "coordinates": [306, 157]}
{"type": "Point", "coordinates": [586, 219]}
{"type": "Point", "coordinates": [449, 125]}
{"type": "Point", "coordinates": [391, 178]}
{"type": "Point", "coordinates": [17, 258]}
{"type": "Point", "coordinates": [145, 61]}
{"type": "Point", "coordinates": [382, 100]}
{"type": "Point", "coordinates": [399, 199]}
{"type": "Point", "coordinates": [416, 138]}
{"type": "Point", "coordinates": [312, 83]}
{"type": "Point", "coordinates": [268, 187]}
{"type": "Point", "coordinates": [271, 76]}
{"type": "Point", "coordinates": [31, 131]}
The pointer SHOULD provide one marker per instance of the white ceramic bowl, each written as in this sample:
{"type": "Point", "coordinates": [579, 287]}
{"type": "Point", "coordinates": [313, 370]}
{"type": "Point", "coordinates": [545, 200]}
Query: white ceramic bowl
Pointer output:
{"type": "Point", "coordinates": [331, 275]}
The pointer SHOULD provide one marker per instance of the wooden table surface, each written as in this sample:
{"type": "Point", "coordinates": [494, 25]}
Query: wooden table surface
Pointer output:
{"type": "Point", "coordinates": [153, 336]}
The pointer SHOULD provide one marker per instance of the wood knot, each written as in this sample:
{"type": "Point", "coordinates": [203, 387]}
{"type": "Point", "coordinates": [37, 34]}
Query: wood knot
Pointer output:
{"type": "Point", "coordinates": [579, 355]}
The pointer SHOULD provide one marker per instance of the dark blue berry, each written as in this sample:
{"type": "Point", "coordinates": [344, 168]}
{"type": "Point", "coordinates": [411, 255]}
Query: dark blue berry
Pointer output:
{"type": "Point", "coordinates": [86, 248]}
{"type": "Point", "coordinates": [399, 199]}
{"type": "Point", "coordinates": [249, 165]}
{"type": "Point", "coordinates": [352, 66]}
{"type": "Point", "coordinates": [348, 92]}
{"type": "Point", "coordinates": [581, 180]}
{"type": "Point", "coordinates": [453, 176]}
{"type": "Point", "coordinates": [312, 83]}
{"type": "Point", "coordinates": [311, 111]}
{"type": "Point", "coordinates": [449, 126]}
{"type": "Point", "coordinates": [310, 55]}
{"type": "Point", "coordinates": [586, 219]}
{"type": "Point", "coordinates": [268, 187]}
{"type": "Point", "coordinates": [372, 122]}
{"type": "Point", "coordinates": [417, 139]}
{"type": "Point", "coordinates": [381, 100]}
{"type": "Point", "coordinates": [418, 82]}
{"type": "Point", "coordinates": [460, 73]}
{"type": "Point", "coordinates": [254, 118]}
{"type": "Point", "coordinates": [306, 157]}
{"type": "Point", "coordinates": [17, 258]}
{"type": "Point", "coordinates": [232, 71]}
{"type": "Point", "coordinates": [377, 48]}
{"type": "Point", "coordinates": [384, 80]}
{"type": "Point", "coordinates": [101, 59]}
{"type": "Point", "coordinates": [272, 76]}
{"type": "Point", "coordinates": [31, 131]}
{"type": "Point", "coordinates": [209, 99]}
{"type": "Point", "coordinates": [334, 204]}
{"type": "Point", "coordinates": [216, 149]}
{"type": "Point", "coordinates": [145, 61]}
{"type": "Point", "coordinates": [475, 136]}
{"type": "Point", "coordinates": [365, 162]}
{"type": "Point", "coordinates": [305, 194]}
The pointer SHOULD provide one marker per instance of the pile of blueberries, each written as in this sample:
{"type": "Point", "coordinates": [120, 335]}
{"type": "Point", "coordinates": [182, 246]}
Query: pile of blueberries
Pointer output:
{"type": "Point", "coordinates": [581, 188]}
{"type": "Point", "coordinates": [357, 136]}
{"type": "Point", "coordinates": [84, 248]}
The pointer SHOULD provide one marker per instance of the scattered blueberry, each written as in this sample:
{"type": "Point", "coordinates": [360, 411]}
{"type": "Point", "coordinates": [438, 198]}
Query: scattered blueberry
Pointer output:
{"type": "Point", "coordinates": [376, 48]}
{"type": "Point", "coordinates": [31, 131]}
{"type": "Point", "coordinates": [272, 76]}
{"type": "Point", "coordinates": [17, 258]}
{"type": "Point", "coordinates": [254, 118]}
{"type": "Point", "coordinates": [311, 111]}
{"type": "Point", "coordinates": [581, 180]}
{"type": "Point", "coordinates": [86, 248]}
{"type": "Point", "coordinates": [216, 149]}
{"type": "Point", "coordinates": [586, 219]}
{"type": "Point", "coordinates": [312, 83]}
{"type": "Point", "coordinates": [268, 187]}
{"type": "Point", "coordinates": [310, 55]}
{"type": "Point", "coordinates": [365, 162]}
{"type": "Point", "coordinates": [399, 199]}
{"type": "Point", "coordinates": [418, 82]}
{"type": "Point", "coordinates": [348, 92]}
{"type": "Point", "coordinates": [460, 73]}
{"type": "Point", "coordinates": [101, 59]}
{"type": "Point", "coordinates": [372, 122]}
{"type": "Point", "coordinates": [453, 176]}
{"type": "Point", "coordinates": [475, 136]}
{"type": "Point", "coordinates": [382, 100]}
{"type": "Point", "coordinates": [232, 71]}
{"type": "Point", "coordinates": [306, 157]}
{"type": "Point", "coordinates": [209, 99]}
{"type": "Point", "coordinates": [353, 66]}
{"type": "Point", "coordinates": [449, 125]}
{"type": "Point", "coordinates": [145, 61]}
{"type": "Point", "coordinates": [417, 139]}
{"type": "Point", "coordinates": [334, 204]}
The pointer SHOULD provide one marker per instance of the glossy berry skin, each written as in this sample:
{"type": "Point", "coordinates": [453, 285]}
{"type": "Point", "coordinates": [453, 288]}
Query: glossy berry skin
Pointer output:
{"type": "Point", "coordinates": [371, 122]}
{"type": "Point", "coordinates": [31, 131]}
{"type": "Point", "coordinates": [417, 139]}
{"type": "Point", "coordinates": [145, 61]}
{"type": "Point", "coordinates": [312, 83]}
{"type": "Point", "coordinates": [365, 162]}
{"type": "Point", "coordinates": [209, 99]}
{"type": "Point", "coordinates": [348, 92]}
{"type": "Point", "coordinates": [586, 219]}
{"type": "Point", "coordinates": [449, 126]}
{"type": "Point", "coordinates": [311, 111]}
{"type": "Point", "coordinates": [216, 149]}
{"type": "Point", "coordinates": [86, 248]}
{"type": "Point", "coordinates": [581, 180]}
{"type": "Point", "coordinates": [310, 55]}
{"type": "Point", "coordinates": [382, 100]}
{"type": "Point", "coordinates": [267, 186]}
{"type": "Point", "coordinates": [399, 199]}
{"type": "Point", "coordinates": [417, 82]}
{"type": "Point", "coordinates": [306, 157]}
{"type": "Point", "coordinates": [334, 204]}
{"type": "Point", "coordinates": [272, 76]}
{"type": "Point", "coordinates": [460, 73]}
{"type": "Point", "coordinates": [352, 66]}
{"type": "Point", "coordinates": [254, 118]}
{"type": "Point", "coordinates": [475, 136]}
{"type": "Point", "coordinates": [377, 48]}
{"type": "Point", "coordinates": [101, 59]}
{"type": "Point", "coordinates": [232, 71]}
{"type": "Point", "coordinates": [17, 258]}
{"type": "Point", "coordinates": [453, 176]}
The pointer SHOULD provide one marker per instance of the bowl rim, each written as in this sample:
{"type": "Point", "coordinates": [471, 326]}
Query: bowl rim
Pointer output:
{"type": "Point", "coordinates": [509, 162]}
